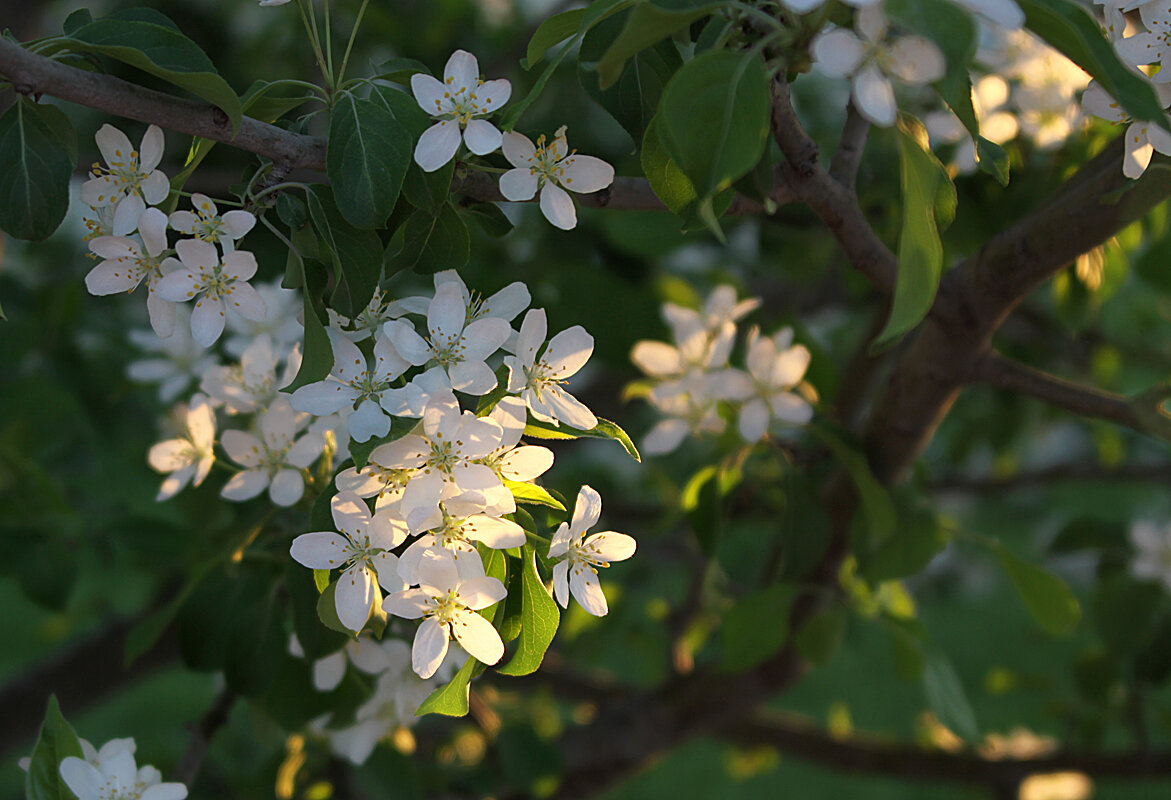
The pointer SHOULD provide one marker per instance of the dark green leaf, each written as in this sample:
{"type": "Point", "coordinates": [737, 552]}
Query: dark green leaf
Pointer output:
{"type": "Point", "coordinates": [925, 183]}
{"type": "Point", "coordinates": [714, 116]}
{"type": "Point", "coordinates": [316, 640]}
{"type": "Point", "coordinates": [489, 217]}
{"type": "Point", "coordinates": [317, 352]}
{"type": "Point", "coordinates": [356, 254]}
{"type": "Point", "coordinates": [75, 20]}
{"type": "Point", "coordinates": [1127, 614]}
{"type": "Point", "coordinates": [434, 242]}
{"type": "Point", "coordinates": [556, 28]}
{"type": "Point", "coordinates": [400, 70]}
{"type": "Point", "coordinates": [906, 644]}
{"type": "Point", "coordinates": [821, 636]}
{"type": "Point", "coordinates": [145, 40]}
{"type": "Point", "coordinates": [634, 96]}
{"type": "Point", "coordinates": [292, 210]}
{"type": "Point", "coordinates": [404, 108]}
{"type": "Point", "coordinates": [256, 634]}
{"type": "Point", "coordinates": [366, 160]}
{"type": "Point", "coordinates": [702, 501]}
{"type": "Point", "coordinates": [946, 697]}
{"type": "Point", "coordinates": [55, 742]}
{"type": "Point", "coordinates": [1088, 533]}
{"type": "Point", "coordinates": [646, 25]}
{"type": "Point", "coordinates": [428, 190]}
{"type": "Point", "coordinates": [143, 636]}
{"type": "Point", "coordinates": [877, 506]}
{"type": "Point", "coordinates": [1049, 600]}
{"type": "Point", "coordinates": [34, 183]}
{"type": "Point", "coordinates": [908, 550]}
{"type": "Point", "coordinates": [755, 628]}
{"type": "Point", "coordinates": [539, 619]}
{"type": "Point", "coordinates": [1068, 26]}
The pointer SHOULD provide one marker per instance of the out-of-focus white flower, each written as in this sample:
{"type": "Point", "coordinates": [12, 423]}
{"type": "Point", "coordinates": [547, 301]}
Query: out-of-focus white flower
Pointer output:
{"type": "Point", "coordinates": [1142, 138]}
{"type": "Point", "coordinates": [217, 283]}
{"type": "Point", "coordinates": [189, 457]}
{"type": "Point", "coordinates": [457, 103]}
{"type": "Point", "coordinates": [872, 62]}
{"type": "Point", "coordinates": [352, 383]}
{"type": "Point", "coordinates": [208, 224]}
{"type": "Point", "coordinates": [128, 261]}
{"type": "Point", "coordinates": [282, 321]}
{"type": "Point", "coordinates": [578, 572]}
{"type": "Point", "coordinates": [183, 359]}
{"type": "Point", "coordinates": [397, 696]}
{"type": "Point", "coordinates": [112, 774]}
{"type": "Point", "coordinates": [689, 406]}
{"type": "Point", "coordinates": [990, 94]}
{"type": "Point", "coordinates": [370, 319]}
{"type": "Point", "coordinates": [448, 603]}
{"type": "Point", "coordinates": [130, 181]}
{"type": "Point", "coordinates": [538, 380]}
{"type": "Point", "coordinates": [551, 170]}
{"type": "Point", "coordinates": [252, 383]}
{"type": "Point", "coordinates": [362, 550]}
{"type": "Point", "coordinates": [365, 653]}
{"type": "Point", "coordinates": [1152, 553]}
{"type": "Point", "coordinates": [775, 365]}
{"type": "Point", "coordinates": [275, 460]}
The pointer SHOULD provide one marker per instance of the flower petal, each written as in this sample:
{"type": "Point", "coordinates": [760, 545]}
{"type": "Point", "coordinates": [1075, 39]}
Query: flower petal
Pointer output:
{"type": "Point", "coordinates": [207, 320]}
{"type": "Point", "coordinates": [320, 550]}
{"type": "Point", "coordinates": [558, 207]}
{"type": "Point", "coordinates": [482, 137]}
{"type": "Point", "coordinates": [583, 582]}
{"type": "Point", "coordinates": [429, 648]}
{"type": "Point", "coordinates": [437, 145]}
{"type": "Point", "coordinates": [245, 485]}
{"type": "Point", "coordinates": [874, 96]}
{"type": "Point", "coordinates": [476, 635]}
{"type": "Point", "coordinates": [286, 488]}
{"type": "Point", "coordinates": [355, 596]}
{"type": "Point", "coordinates": [585, 174]}
{"type": "Point", "coordinates": [518, 184]}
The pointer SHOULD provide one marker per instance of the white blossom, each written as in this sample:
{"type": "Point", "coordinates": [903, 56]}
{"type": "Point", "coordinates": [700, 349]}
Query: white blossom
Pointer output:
{"type": "Point", "coordinates": [253, 382]}
{"type": "Point", "coordinates": [274, 460]}
{"type": "Point", "coordinates": [127, 262]}
{"type": "Point", "coordinates": [1142, 138]}
{"type": "Point", "coordinates": [873, 61]}
{"type": "Point", "coordinates": [551, 170]}
{"type": "Point", "coordinates": [458, 534]}
{"type": "Point", "coordinates": [457, 103]}
{"type": "Point", "coordinates": [215, 284]}
{"type": "Point", "coordinates": [578, 571]}
{"type": "Point", "coordinates": [448, 603]}
{"type": "Point", "coordinates": [1151, 560]}
{"type": "Point", "coordinates": [364, 652]}
{"type": "Point", "coordinates": [538, 380]}
{"type": "Point", "coordinates": [454, 345]}
{"type": "Point", "coordinates": [181, 359]}
{"type": "Point", "coordinates": [112, 774]}
{"type": "Point", "coordinates": [511, 460]}
{"type": "Point", "coordinates": [206, 222]}
{"type": "Point", "coordinates": [775, 365]}
{"type": "Point", "coordinates": [130, 181]}
{"type": "Point", "coordinates": [188, 458]}
{"type": "Point", "coordinates": [362, 550]}
{"type": "Point", "coordinates": [282, 321]}
{"type": "Point", "coordinates": [352, 383]}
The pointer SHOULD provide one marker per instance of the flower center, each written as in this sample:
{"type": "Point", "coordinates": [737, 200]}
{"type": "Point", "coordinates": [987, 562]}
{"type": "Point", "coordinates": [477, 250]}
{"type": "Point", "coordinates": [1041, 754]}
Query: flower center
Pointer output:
{"type": "Point", "coordinates": [369, 386]}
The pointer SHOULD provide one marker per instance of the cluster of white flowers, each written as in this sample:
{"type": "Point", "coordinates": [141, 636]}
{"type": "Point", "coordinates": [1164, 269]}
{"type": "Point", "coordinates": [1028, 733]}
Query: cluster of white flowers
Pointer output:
{"type": "Point", "coordinates": [459, 103]}
{"type": "Point", "coordinates": [444, 483]}
{"type": "Point", "coordinates": [693, 379]}
{"type": "Point", "coordinates": [129, 234]}
{"type": "Point", "coordinates": [1151, 560]}
{"type": "Point", "coordinates": [1144, 50]}
{"type": "Point", "coordinates": [112, 774]}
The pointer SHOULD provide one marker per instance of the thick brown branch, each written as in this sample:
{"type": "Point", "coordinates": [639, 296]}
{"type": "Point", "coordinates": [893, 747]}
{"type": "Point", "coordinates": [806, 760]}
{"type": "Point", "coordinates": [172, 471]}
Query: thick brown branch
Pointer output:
{"type": "Point", "coordinates": [832, 201]}
{"type": "Point", "coordinates": [847, 158]}
{"type": "Point", "coordinates": [1004, 373]}
{"type": "Point", "coordinates": [32, 74]}
{"type": "Point", "coordinates": [875, 756]}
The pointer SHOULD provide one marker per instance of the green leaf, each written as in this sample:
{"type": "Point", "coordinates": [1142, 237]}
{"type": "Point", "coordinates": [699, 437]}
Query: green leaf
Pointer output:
{"type": "Point", "coordinates": [366, 159]}
{"type": "Point", "coordinates": [1127, 614]}
{"type": "Point", "coordinates": [1088, 533]}
{"type": "Point", "coordinates": [404, 108]}
{"type": "Point", "coordinates": [1068, 26]}
{"type": "Point", "coordinates": [400, 70]}
{"type": "Point", "coordinates": [906, 644]}
{"type": "Point", "coordinates": [55, 742]}
{"type": "Point", "coordinates": [356, 254]}
{"type": "Point", "coordinates": [256, 635]}
{"type": "Point", "coordinates": [317, 358]}
{"type": "Point", "coordinates": [992, 159]}
{"type": "Point", "coordinates": [605, 429]}
{"type": "Point", "coordinates": [143, 636]}
{"type": "Point", "coordinates": [532, 494]}
{"type": "Point", "coordinates": [321, 579]}
{"type": "Point", "coordinates": [908, 550]}
{"type": "Point", "coordinates": [820, 637]}
{"type": "Point", "coordinates": [302, 586]}
{"type": "Point", "coordinates": [877, 506]}
{"type": "Point", "coordinates": [646, 25]}
{"type": "Point", "coordinates": [1049, 600]}
{"type": "Point", "coordinates": [714, 118]}
{"type": "Point", "coordinates": [451, 700]}
{"type": "Point", "coordinates": [633, 97]}
{"type": "Point", "coordinates": [34, 183]}
{"type": "Point", "coordinates": [148, 40]}
{"type": "Point", "coordinates": [489, 217]}
{"type": "Point", "coordinates": [428, 190]}
{"type": "Point", "coordinates": [755, 627]}
{"type": "Point", "coordinates": [556, 28]}
{"type": "Point", "coordinates": [946, 697]}
{"type": "Point", "coordinates": [327, 610]}
{"type": "Point", "coordinates": [75, 20]}
{"type": "Point", "coordinates": [433, 242]}
{"type": "Point", "coordinates": [925, 183]}
{"type": "Point", "coordinates": [539, 619]}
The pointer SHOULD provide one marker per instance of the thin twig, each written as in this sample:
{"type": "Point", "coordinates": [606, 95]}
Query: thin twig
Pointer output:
{"type": "Point", "coordinates": [844, 167]}
{"type": "Point", "coordinates": [201, 732]}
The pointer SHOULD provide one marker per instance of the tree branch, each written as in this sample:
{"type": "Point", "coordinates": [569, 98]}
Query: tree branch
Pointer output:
{"type": "Point", "coordinates": [1155, 473]}
{"type": "Point", "coordinates": [32, 74]}
{"type": "Point", "coordinates": [1013, 376]}
{"type": "Point", "coordinates": [836, 204]}
{"type": "Point", "coordinates": [848, 157]}
{"type": "Point", "coordinates": [201, 732]}
{"type": "Point", "coordinates": [876, 756]}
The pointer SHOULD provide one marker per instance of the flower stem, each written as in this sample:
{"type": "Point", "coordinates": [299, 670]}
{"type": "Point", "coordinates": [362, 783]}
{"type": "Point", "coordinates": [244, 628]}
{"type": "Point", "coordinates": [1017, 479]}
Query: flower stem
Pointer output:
{"type": "Point", "coordinates": [341, 73]}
